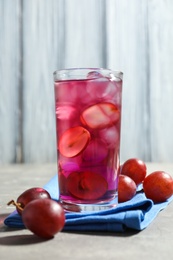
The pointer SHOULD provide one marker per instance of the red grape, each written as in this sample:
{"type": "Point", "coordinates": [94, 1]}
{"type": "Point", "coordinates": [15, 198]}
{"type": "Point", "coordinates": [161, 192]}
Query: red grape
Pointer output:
{"type": "Point", "coordinates": [74, 141]}
{"type": "Point", "coordinates": [29, 195]}
{"type": "Point", "coordinates": [135, 169]}
{"type": "Point", "coordinates": [158, 186]}
{"type": "Point", "coordinates": [126, 188]}
{"type": "Point", "coordinates": [44, 218]}
{"type": "Point", "coordinates": [86, 185]}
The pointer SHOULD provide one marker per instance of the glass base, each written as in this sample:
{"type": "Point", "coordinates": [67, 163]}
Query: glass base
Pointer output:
{"type": "Point", "coordinates": [90, 207]}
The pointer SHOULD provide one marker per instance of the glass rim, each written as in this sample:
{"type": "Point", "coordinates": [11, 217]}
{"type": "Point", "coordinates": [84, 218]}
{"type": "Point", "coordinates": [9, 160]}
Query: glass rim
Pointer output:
{"type": "Point", "coordinates": [70, 71]}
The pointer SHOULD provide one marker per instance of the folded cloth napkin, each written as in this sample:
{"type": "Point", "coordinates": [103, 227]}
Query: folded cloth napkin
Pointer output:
{"type": "Point", "coordinates": [135, 214]}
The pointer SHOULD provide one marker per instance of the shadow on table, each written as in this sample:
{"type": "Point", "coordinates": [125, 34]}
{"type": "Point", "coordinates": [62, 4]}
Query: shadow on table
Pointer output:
{"type": "Point", "coordinates": [28, 239]}
{"type": "Point", "coordinates": [25, 239]}
{"type": "Point", "coordinates": [127, 233]}
{"type": "Point", "coordinates": [14, 240]}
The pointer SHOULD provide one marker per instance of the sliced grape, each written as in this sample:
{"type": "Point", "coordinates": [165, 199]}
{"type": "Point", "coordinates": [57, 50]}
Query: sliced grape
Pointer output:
{"type": "Point", "coordinates": [100, 115]}
{"type": "Point", "coordinates": [86, 185]}
{"type": "Point", "coordinates": [108, 173]}
{"type": "Point", "coordinates": [73, 141]}
{"type": "Point", "coordinates": [96, 151]}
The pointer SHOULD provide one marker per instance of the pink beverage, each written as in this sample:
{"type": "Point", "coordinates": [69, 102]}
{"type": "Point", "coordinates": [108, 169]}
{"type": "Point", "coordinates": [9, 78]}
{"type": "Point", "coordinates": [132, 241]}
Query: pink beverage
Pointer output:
{"type": "Point", "coordinates": [88, 120]}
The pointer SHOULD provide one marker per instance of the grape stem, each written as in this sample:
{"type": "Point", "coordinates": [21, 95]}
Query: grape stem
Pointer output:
{"type": "Point", "coordinates": [18, 205]}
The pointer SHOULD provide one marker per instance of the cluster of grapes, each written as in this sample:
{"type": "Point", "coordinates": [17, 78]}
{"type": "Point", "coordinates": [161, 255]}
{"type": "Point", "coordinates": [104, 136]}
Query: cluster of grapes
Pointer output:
{"type": "Point", "coordinates": [40, 214]}
{"type": "Point", "coordinates": [157, 186]}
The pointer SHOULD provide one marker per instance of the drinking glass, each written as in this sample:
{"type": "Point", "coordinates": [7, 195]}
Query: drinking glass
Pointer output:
{"type": "Point", "coordinates": [88, 123]}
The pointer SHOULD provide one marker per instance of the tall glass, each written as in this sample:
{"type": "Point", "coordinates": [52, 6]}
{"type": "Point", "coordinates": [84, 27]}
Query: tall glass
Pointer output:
{"type": "Point", "coordinates": [88, 122]}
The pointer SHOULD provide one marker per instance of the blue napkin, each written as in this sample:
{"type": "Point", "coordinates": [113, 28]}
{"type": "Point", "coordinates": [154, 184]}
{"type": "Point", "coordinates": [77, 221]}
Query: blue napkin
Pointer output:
{"type": "Point", "coordinates": [135, 214]}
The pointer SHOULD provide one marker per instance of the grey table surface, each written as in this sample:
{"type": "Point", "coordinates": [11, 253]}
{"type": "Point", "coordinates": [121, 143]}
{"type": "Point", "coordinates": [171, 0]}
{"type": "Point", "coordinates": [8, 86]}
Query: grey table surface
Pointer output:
{"type": "Point", "coordinates": [154, 242]}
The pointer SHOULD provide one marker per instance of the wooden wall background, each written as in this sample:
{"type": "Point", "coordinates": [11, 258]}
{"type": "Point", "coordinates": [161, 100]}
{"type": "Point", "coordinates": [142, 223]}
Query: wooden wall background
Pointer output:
{"type": "Point", "coordinates": [40, 36]}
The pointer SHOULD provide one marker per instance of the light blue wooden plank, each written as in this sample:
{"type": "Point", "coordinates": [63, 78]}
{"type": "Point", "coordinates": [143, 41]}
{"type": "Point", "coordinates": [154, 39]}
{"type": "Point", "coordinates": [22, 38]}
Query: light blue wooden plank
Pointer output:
{"type": "Point", "coordinates": [161, 79]}
{"type": "Point", "coordinates": [127, 46]}
{"type": "Point", "coordinates": [133, 36]}
{"type": "Point", "coordinates": [46, 48]}
{"type": "Point", "coordinates": [9, 81]}
{"type": "Point", "coordinates": [43, 29]}
{"type": "Point", "coordinates": [85, 33]}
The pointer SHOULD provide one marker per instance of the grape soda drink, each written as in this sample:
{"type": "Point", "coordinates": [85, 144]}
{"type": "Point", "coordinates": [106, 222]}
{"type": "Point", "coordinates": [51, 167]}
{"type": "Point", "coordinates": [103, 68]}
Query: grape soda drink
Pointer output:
{"type": "Point", "coordinates": [88, 121]}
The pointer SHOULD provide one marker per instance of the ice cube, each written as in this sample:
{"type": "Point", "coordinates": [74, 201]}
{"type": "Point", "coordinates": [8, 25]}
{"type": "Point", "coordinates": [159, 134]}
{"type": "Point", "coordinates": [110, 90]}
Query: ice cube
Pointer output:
{"type": "Point", "coordinates": [65, 112]}
{"type": "Point", "coordinates": [94, 75]}
{"type": "Point", "coordinates": [95, 152]}
{"type": "Point", "coordinates": [110, 136]}
{"type": "Point", "coordinates": [66, 91]}
{"type": "Point", "coordinates": [101, 88]}
{"type": "Point", "coordinates": [69, 167]}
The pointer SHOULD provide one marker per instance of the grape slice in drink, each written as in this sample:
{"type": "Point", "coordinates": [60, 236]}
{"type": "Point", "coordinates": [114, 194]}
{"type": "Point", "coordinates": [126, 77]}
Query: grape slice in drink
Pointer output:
{"type": "Point", "coordinates": [86, 185]}
{"type": "Point", "coordinates": [100, 115]}
{"type": "Point", "coordinates": [73, 141]}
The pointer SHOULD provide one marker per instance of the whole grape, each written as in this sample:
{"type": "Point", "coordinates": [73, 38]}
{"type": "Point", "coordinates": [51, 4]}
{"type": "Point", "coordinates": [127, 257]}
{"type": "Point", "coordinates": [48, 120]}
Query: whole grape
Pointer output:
{"type": "Point", "coordinates": [29, 195]}
{"type": "Point", "coordinates": [44, 218]}
{"type": "Point", "coordinates": [126, 188]}
{"type": "Point", "coordinates": [158, 186]}
{"type": "Point", "coordinates": [135, 169]}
